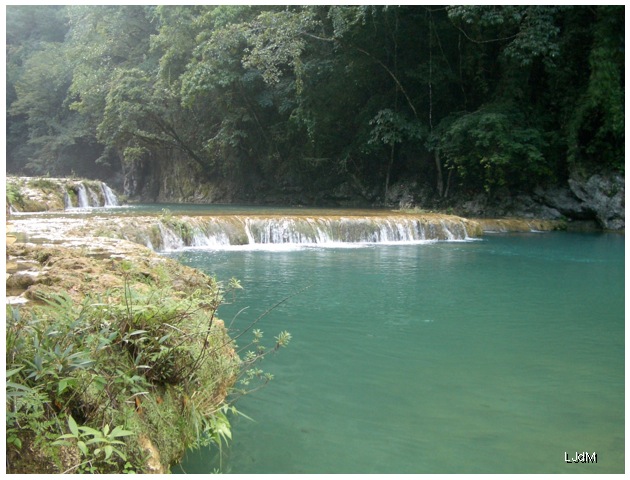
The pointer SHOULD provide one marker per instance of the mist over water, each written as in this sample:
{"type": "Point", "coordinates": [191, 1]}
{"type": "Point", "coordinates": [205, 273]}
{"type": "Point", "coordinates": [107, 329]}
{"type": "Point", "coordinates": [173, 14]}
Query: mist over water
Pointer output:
{"type": "Point", "coordinates": [494, 356]}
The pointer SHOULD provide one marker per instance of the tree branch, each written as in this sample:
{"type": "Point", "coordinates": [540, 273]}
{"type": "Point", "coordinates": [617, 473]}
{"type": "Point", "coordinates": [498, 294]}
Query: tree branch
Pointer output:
{"type": "Point", "coordinates": [391, 74]}
{"type": "Point", "coordinates": [376, 60]}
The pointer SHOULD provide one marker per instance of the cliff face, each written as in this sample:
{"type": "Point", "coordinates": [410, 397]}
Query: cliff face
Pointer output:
{"type": "Point", "coordinates": [170, 179]}
{"type": "Point", "coordinates": [598, 197]}
{"type": "Point", "coordinates": [604, 196]}
{"type": "Point", "coordinates": [595, 202]}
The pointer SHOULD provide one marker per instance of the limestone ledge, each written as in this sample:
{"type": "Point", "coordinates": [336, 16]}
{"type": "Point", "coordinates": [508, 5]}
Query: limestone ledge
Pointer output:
{"type": "Point", "coordinates": [516, 225]}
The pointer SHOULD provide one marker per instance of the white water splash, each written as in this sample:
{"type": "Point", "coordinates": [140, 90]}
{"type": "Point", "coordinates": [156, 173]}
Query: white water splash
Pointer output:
{"type": "Point", "coordinates": [88, 198]}
{"type": "Point", "coordinates": [291, 233]}
{"type": "Point", "coordinates": [82, 197]}
{"type": "Point", "coordinates": [67, 201]}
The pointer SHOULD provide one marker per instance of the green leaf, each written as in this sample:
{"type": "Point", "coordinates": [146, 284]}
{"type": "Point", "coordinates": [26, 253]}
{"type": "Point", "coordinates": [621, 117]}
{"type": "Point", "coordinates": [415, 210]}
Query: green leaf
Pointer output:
{"type": "Point", "coordinates": [116, 442]}
{"type": "Point", "coordinates": [108, 451]}
{"type": "Point", "coordinates": [62, 443]}
{"type": "Point", "coordinates": [120, 454]}
{"type": "Point", "coordinates": [82, 447]}
{"type": "Point", "coordinates": [119, 432]}
{"type": "Point", "coordinates": [90, 431]}
{"type": "Point", "coordinates": [73, 426]}
{"type": "Point", "coordinates": [94, 440]}
{"type": "Point", "coordinates": [16, 386]}
{"type": "Point", "coordinates": [64, 383]}
{"type": "Point", "coordinates": [10, 373]}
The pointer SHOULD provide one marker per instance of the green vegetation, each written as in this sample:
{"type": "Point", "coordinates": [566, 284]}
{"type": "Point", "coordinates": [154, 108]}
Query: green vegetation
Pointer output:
{"type": "Point", "coordinates": [125, 378]}
{"type": "Point", "coordinates": [14, 194]}
{"type": "Point", "coordinates": [458, 99]}
{"type": "Point", "coordinates": [19, 195]}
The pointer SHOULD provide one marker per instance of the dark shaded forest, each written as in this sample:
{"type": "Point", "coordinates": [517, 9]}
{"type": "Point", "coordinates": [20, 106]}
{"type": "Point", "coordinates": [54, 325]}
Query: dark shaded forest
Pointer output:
{"type": "Point", "coordinates": [309, 100]}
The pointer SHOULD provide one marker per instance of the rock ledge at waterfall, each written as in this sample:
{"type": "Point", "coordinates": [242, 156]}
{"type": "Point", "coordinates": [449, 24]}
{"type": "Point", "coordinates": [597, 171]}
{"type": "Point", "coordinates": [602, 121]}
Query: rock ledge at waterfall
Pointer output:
{"type": "Point", "coordinates": [43, 194]}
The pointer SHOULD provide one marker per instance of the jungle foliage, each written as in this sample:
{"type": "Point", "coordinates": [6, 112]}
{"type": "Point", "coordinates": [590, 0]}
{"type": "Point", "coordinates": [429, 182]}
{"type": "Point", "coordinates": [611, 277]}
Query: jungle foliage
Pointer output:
{"type": "Point", "coordinates": [468, 97]}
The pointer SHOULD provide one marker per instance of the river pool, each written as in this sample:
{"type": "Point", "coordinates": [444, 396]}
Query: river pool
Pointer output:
{"type": "Point", "coordinates": [500, 355]}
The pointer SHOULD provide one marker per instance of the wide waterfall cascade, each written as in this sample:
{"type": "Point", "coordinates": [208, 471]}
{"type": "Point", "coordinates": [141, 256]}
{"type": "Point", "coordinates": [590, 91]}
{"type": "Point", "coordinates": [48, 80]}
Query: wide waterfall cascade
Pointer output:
{"type": "Point", "coordinates": [285, 231]}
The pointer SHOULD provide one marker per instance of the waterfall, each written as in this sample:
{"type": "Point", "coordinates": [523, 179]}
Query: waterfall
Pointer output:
{"type": "Point", "coordinates": [82, 197]}
{"type": "Point", "coordinates": [301, 231]}
{"type": "Point", "coordinates": [94, 201]}
{"type": "Point", "coordinates": [91, 195]}
{"type": "Point", "coordinates": [109, 195]}
{"type": "Point", "coordinates": [170, 239]}
{"type": "Point", "coordinates": [67, 201]}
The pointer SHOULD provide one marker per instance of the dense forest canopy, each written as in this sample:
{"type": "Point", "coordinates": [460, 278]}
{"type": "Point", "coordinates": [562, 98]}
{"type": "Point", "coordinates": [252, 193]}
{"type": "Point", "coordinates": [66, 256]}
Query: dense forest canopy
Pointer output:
{"type": "Point", "coordinates": [461, 98]}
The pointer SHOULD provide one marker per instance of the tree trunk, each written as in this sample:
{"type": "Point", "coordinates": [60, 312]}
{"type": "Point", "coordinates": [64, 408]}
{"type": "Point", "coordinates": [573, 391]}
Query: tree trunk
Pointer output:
{"type": "Point", "coordinates": [448, 183]}
{"type": "Point", "coordinates": [440, 179]}
{"type": "Point", "coordinates": [389, 171]}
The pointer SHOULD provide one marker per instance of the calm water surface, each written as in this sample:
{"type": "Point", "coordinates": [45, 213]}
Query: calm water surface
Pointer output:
{"type": "Point", "coordinates": [493, 356]}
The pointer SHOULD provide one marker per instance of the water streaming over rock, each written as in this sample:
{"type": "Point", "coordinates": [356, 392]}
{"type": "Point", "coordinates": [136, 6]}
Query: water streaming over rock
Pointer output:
{"type": "Point", "coordinates": [110, 197]}
{"type": "Point", "coordinates": [82, 197]}
{"type": "Point", "coordinates": [93, 194]}
{"type": "Point", "coordinates": [67, 201]}
{"type": "Point", "coordinates": [241, 230]}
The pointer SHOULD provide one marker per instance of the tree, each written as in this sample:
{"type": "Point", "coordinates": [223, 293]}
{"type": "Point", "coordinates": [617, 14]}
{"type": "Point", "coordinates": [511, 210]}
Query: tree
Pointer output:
{"type": "Point", "coordinates": [318, 98]}
{"type": "Point", "coordinates": [492, 148]}
{"type": "Point", "coordinates": [391, 129]}
{"type": "Point", "coordinates": [41, 93]}
{"type": "Point", "coordinates": [34, 34]}
{"type": "Point", "coordinates": [596, 129]}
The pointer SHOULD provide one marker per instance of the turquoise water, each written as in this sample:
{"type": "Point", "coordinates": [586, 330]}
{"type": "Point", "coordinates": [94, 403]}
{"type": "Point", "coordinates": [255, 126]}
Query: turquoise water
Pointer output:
{"type": "Point", "coordinates": [492, 356]}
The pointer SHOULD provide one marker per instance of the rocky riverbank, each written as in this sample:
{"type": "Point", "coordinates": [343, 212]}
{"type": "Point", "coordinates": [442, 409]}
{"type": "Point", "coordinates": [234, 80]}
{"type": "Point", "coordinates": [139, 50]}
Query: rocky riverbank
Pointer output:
{"type": "Point", "coordinates": [594, 202]}
{"type": "Point", "coordinates": [107, 313]}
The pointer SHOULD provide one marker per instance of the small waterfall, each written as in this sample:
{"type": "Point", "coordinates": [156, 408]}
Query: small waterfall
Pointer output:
{"type": "Point", "coordinates": [67, 201]}
{"type": "Point", "coordinates": [170, 239]}
{"type": "Point", "coordinates": [110, 197]}
{"type": "Point", "coordinates": [449, 234]}
{"type": "Point", "coordinates": [82, 197]}
{"type": "Point", "coordinates": [93, 197]}
{"type": "Point", "coordinates": [93, 194]}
